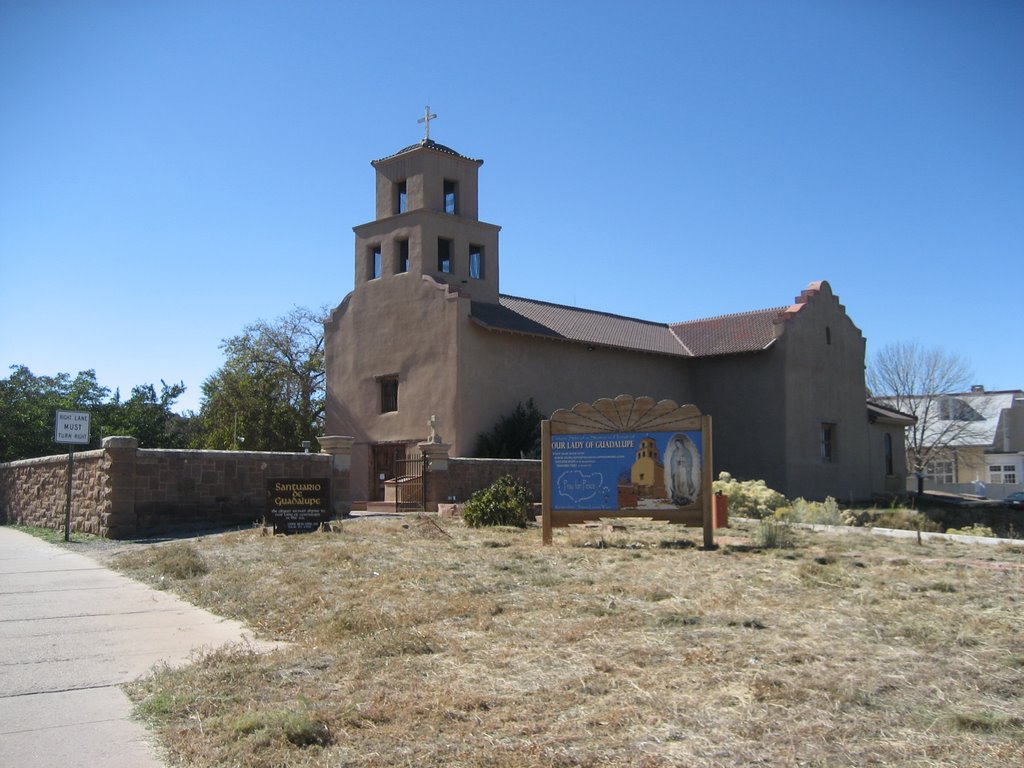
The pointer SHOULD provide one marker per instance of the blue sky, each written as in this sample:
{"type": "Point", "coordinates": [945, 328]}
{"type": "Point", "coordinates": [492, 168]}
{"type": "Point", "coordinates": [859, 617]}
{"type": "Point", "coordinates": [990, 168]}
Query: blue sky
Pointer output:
{"type": "Point", "coordinates": [173, 171]}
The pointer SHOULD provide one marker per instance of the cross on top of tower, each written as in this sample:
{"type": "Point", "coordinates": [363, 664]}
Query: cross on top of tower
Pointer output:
{"type": "Point", "coordinates": [427, 117]}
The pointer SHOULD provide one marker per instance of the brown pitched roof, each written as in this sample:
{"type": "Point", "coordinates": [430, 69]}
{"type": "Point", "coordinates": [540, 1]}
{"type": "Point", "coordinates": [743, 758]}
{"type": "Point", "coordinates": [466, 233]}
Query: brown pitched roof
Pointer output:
{"type": "Point", "coordinates": [428, 144]}
{"type": "Point", "coordinates": [729, 334]}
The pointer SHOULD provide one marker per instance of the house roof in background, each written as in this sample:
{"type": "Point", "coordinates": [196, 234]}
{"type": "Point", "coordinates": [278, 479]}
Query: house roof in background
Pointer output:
{"type": "Point", "coordinates": [887, 415]}
{"type": "Point", "coordinates": [959, 419]}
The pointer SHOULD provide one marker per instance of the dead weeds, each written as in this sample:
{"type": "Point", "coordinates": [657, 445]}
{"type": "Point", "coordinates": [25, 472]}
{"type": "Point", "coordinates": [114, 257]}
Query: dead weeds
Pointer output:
{"type": "Point", "coordinates": [422, 642]}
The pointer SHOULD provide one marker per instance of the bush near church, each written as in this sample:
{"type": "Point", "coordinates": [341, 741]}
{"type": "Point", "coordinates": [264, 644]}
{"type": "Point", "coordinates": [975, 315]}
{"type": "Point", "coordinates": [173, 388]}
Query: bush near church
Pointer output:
{"type": "Point", "coordinates": [748, 498]}
{"type": "Point", "coordinates": [504, 502]}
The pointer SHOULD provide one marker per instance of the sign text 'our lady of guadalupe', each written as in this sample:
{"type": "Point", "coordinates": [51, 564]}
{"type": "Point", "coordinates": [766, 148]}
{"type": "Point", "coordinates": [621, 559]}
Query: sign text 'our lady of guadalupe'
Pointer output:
{"type": "Point", "coordinates": [627, 457]}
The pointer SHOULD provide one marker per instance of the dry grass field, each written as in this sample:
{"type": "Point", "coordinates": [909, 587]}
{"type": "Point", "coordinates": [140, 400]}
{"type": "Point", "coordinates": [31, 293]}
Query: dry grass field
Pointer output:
{"type": "Point", "coordinates": [419, 642]}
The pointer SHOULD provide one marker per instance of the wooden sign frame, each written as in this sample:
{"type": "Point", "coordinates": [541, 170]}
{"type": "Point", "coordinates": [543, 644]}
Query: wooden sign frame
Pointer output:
{"type": "Point", "coordinates": [579, 445]}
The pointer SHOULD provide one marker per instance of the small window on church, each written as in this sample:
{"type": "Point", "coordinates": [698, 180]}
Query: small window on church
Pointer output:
{"type": "Point", "coordinates": [450, 188]}
{"type": "Point", "coordinates": [375, 262]}
{"type": "Point", "coordinates": [401, 197]}
{"type": "Point", "coordinates": [403, 255]}
{"type": "Point", "coordinates": [476, 262]}
{"type": "Point", "coordinates": [828, 335]}
{"type": "Point", "coordinates": [828, 442]}
{"type": "Point", "coordinates": [444, 255]}
{"type": "Point", "coordinates": [388, 394]}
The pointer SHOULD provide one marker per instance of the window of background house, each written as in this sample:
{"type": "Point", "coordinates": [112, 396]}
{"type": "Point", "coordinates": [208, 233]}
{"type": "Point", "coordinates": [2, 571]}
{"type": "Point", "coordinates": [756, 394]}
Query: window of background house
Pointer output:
{"type": "Point", "coordinates": [828, 442]}
{"type": "Point", "coordinates": [388, 394]}
{"type": "Point", "coordinates": [444, 255]}
{"type": "Point", "coordinates": [401, 197]}
{"type": "Point", "coordinates": [375, 262]}
{"type": "Point", "coordinates": [450, 204]}
{"type": "Point", "coordinates": [1002, 473]}
{"type": "Point", "coordinates": [940, 471]}
{"type": "Point", "coordinates": [887, 445]}
{"type": "Point", "coordinates": [476, 262]}
{"type": "Point", "coordinates": [403, 255]}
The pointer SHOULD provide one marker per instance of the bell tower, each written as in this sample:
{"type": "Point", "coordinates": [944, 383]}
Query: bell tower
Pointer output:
{"type": "Point", "coordinates": [427, 222]}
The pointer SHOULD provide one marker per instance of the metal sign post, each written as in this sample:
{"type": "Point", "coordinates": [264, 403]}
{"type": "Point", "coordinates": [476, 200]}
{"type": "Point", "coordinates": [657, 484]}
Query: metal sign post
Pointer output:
{"type": "Point", "coordinates": [72, 428]}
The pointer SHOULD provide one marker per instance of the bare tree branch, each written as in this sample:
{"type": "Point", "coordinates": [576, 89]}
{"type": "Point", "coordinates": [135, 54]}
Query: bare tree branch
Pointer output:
{"type": "Point", "coordinates": [923, 383]}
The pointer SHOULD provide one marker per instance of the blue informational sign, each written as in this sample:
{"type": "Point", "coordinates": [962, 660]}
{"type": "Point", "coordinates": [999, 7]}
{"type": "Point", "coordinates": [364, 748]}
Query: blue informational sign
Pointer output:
{"type": "Point", "coordinates": [626, 470]}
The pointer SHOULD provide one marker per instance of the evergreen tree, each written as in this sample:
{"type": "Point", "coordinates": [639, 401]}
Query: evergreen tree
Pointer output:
{"type": "Point", "coordinates": [515, 436]}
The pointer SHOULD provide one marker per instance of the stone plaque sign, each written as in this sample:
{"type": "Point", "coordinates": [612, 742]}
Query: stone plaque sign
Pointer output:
{"type": "Point", "coordinates": [298, 506]}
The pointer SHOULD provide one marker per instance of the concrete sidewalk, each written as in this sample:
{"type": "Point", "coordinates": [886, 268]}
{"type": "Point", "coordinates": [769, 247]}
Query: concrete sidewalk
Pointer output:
{"type": "Point", "coordinates": [71, 632]}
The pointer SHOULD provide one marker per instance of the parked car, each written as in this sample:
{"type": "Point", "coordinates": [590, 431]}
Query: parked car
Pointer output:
{"type": "Point", "coordinates": [1015, 500]}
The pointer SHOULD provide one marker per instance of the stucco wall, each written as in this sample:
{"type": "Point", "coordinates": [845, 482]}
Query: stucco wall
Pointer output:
{"type": "Point", "coordinates": [745, 397]}
{"type": "Point", "coordinates": [499, 370]}
{"type": "Point", "coordinates": [824, 364]}
{"type": "Point", "coordinates": [403, 326]}
{"type": "Point", "coordinates": [883, 484]}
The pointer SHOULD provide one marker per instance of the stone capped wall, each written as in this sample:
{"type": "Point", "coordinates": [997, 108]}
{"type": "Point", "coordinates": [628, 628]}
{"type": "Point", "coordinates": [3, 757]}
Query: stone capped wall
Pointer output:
{"type": "Point", "coordinates": [466, 476]}
{"type": "Point", "coordinates": [124, 492]}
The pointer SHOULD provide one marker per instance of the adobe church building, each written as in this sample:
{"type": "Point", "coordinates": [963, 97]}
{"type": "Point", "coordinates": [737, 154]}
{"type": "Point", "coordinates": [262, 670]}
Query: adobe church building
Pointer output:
{"type": "Point", "coordinates": [427, 332]}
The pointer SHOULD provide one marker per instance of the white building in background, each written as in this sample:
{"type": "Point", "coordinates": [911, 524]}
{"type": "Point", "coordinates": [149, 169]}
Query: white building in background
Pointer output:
{"type": "Point", "coordinates": [981, 435]}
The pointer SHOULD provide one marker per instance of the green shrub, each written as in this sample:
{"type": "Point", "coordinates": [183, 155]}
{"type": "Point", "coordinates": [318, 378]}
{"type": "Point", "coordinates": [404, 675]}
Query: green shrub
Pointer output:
{"type": "Point", "coordinates": [750, 498]}
{"type": "Point", "coordinates": [974, 530]}
{"type": "Point", "coordinates": [774, 534]}
{"type": "Point", "coordinates": [298, 728]}
{"type": "Point", "coordinates": [902, 518]}
{"type": "Point", "coordinates": [815, 512]}
{"type": "Point", "coordinates": [515, 436]}
{"type": "Point", "coordinates": [504, 502]}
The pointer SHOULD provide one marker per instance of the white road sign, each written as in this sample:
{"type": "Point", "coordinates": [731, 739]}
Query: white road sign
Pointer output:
{"type": "Point", "coordinates": [72, 427]}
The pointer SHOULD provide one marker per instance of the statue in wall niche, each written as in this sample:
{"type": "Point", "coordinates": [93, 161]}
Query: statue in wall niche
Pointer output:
{"type": "Point", "coordinates": [432, 424]}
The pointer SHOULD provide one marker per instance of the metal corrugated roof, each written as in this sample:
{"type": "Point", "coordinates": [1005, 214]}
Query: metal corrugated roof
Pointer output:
{"type": "Point", "coordinates": [729, 334]}
{"type": "Point", "coordinates": [960, 419]}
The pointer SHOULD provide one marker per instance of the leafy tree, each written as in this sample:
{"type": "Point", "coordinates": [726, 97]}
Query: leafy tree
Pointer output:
{"type": "Point", "coordinates": [515, 436]}
{"type": "Point", "coordinates": [918, 381]}
{"type": "Point", "coordinates": [28, 404]}
{"type": "Point", "coordinates": [270, 393]}
{"type": "Point", "coordinates": [147, 416]}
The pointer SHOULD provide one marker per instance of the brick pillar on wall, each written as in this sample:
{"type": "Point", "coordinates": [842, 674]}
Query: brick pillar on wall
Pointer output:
{"type": "Point", "coordinates": [340, 449]}
{"type": "Point", "coordinates": [119, 520]}
{"type": "Point", "coordinates": [437, 480]}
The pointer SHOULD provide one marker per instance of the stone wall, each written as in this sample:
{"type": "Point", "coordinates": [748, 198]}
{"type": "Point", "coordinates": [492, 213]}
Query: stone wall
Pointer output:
{"type": "Point", "coordinates": [465, 476]}
{"type": "Point", "coordinates": [124, 492]}
{"type": "Point", "coordinates": [34, 492]}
